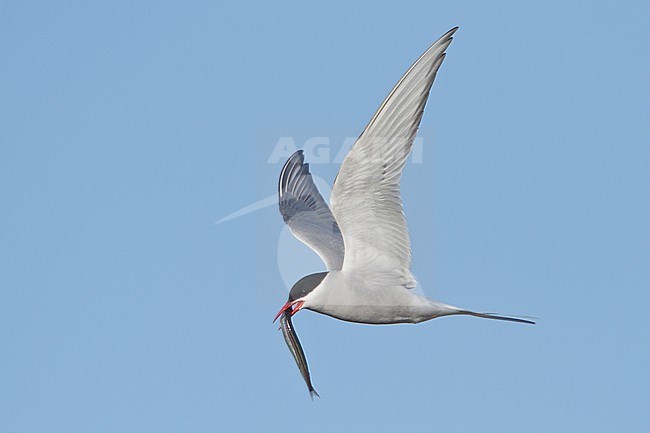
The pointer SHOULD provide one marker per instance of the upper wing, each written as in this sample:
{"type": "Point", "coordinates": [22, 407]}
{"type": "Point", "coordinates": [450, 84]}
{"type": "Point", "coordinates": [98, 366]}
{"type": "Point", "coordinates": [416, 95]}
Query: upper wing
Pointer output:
{"type": "Point", "coordinates": [306, 213]}
{"type": "Point", "coordinates": [366, 198]}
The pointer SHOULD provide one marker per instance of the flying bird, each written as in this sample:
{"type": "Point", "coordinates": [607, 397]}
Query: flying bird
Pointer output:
{"type": "Point", "coordinates": [363, 239]}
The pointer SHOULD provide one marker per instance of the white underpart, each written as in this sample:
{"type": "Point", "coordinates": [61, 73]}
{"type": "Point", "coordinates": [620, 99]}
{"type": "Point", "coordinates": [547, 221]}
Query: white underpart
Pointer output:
{"type": "Point", "coordinates": [361, 297]}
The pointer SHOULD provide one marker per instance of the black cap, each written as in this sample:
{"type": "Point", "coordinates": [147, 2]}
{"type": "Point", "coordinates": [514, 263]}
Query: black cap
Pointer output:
{"type": "Point", "coordinates": [306, 285]}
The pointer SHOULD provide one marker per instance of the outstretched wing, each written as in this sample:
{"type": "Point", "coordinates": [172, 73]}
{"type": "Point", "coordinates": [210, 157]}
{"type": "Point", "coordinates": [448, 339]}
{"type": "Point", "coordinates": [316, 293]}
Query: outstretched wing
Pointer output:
{"type": "Point", "coordinates": [366, 197]}
{"type": "Point", "coordinates": [306, 213]}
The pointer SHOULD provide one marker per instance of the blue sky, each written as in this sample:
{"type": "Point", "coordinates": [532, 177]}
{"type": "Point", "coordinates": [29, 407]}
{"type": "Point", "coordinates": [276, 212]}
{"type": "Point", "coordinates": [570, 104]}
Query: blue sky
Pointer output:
{"type": "Point", "coordinates": [130, 128]}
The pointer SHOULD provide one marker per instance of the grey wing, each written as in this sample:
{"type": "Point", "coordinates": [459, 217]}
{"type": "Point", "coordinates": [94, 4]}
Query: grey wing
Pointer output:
{"type": "Point", "coordinates": [307, 214]}
{"type": "Point", "coordinates": [366, 196]}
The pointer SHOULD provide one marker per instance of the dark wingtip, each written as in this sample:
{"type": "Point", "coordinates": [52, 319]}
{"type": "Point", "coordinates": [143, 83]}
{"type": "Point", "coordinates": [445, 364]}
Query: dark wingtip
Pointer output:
{"type": "Point", "coordinates": [297, 154]}
{"type": "Point", "coordinates": [296, 158]}
{"type": "Point", "coordinates": [451, 32]}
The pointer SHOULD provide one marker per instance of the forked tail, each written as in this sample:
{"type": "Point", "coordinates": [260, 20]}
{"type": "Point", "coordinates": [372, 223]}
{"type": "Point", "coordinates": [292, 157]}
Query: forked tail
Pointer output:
{"type": "Point", "coordinates": [496, 317]}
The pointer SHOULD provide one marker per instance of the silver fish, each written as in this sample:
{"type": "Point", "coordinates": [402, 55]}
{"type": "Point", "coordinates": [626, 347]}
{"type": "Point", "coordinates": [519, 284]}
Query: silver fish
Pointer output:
{"type": "Point", "coordinates": [291, 338]}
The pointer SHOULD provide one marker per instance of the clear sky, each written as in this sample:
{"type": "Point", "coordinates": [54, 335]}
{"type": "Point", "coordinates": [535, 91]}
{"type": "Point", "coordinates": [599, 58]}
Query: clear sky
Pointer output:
{"type": "Point", "coordinates": [128, 129]}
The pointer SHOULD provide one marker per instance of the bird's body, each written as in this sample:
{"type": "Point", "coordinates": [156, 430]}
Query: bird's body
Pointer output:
{"type": "Point", "coordinates": [360, 297]}
{"type": "Point", "coordinates": [363, 239]}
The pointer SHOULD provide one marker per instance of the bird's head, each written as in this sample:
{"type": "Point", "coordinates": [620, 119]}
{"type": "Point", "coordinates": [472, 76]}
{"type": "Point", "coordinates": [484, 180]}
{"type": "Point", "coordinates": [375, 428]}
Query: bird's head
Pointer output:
{"type": "Point", "coordinates": [299, 292]}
